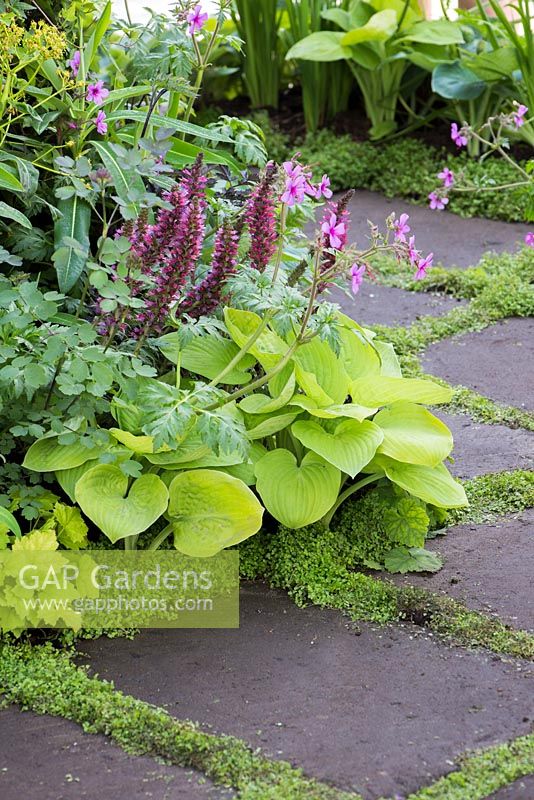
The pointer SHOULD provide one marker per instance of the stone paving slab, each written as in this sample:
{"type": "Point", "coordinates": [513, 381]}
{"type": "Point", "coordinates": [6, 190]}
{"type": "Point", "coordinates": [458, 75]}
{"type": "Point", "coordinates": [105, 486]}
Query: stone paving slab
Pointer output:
{"type": "Point", "coordinates": [497, 362]}
{"type": "Point", "coordinates": [48, 758]}
{"type": "Point", "coordinates": [490, 567]}
{"type": "Point", "coordinates": [481, 448]}
{"type": "Point", "coordinates": [386, 305]}
{"type": "Point", "coordinates": [520, 790]}
{"type": "Point", "coordinates": [381, 712]}
{"type": "Point", "coordinates": [453, 240]}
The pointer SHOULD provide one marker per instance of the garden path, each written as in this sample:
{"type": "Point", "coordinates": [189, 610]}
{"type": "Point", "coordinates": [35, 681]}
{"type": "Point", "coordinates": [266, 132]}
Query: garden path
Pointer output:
{"type": "Point", "coordinates": [381, 711]}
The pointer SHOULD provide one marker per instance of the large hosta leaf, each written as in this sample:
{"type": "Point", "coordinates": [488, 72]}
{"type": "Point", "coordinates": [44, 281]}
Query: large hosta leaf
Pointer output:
{"type": "Point", "coordinates": [413, 434]}
{"type": "Point", "coordinates": [68, 478]}
{"type": "Point", "coordinates": [268, 347]}
{"type": "Point", "coordinates": [359, 356]}
{"type": "Point", "coordinates": [270, 424]}
{"type": "Point", "coordinates": [210, 510]}
{"type": "Point", "coordinates": [296, 495]}
{"type": "Point", "coordinates": [103, 495]}
{"type": "Point", "coordinates": [379, 28]}
{"type": "Point", "coordinates": [47, 455]}
{"type": "Point", "coordinates": [350, 447]}
{"type": "Point", "coordinates": [320, 373]}
{"type": "Point", "coordinates": [434, 485]}
{"type": "Point", "coordinates": [208, 356]}
{"type": "Point", "coordinates": [320, 46]}
{"type": "Point", "coordinates": [383, 390]}
{"type": "Point", "coordinates": [264, 404]}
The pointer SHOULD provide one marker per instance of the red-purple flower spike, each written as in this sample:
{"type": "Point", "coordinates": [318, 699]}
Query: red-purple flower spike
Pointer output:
{"type": "Point", "coordinates": [341, 213]}
{"type": "Point", "coordinates": [180, 237]}
{"type": "Point", "coordinates": [261, 220]}
{"type": "Point", "coordinates": [203, 299]}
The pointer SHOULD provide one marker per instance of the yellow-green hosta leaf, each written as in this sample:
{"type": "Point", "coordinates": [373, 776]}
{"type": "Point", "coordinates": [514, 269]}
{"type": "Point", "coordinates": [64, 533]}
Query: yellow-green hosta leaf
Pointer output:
{"type": "Point", "coordinates": [413, 434]}
{"type": "Point", "coordinates": [210, 511]}
{"type": "Point", "coordinates": [264, 404]}
{"type": "Point", "coordinates": [434, 485]}
{"type": "Point", "coordinates": [68, 478]}
{"type": "Point", "coordinates": [208, 356]}
{"type": "Point", "coordinates": [349, 410]}
{"type": "Point", "coordinates": [246, 472]}
{"type": "Point", "coordinates": [380, 27]}
{"type": "Point", "coordinates": [7, 520]}
{"type": "Point", "coordinates": [390, 363]}
{"type": "Point", "coordinates": [120, 510]}
{"type": "Point", "coordinates": [47, 455]}
{"type": "Point", "coordinates": [137, 444]}
{"type": "Point", "coordinates": [192, 448]}
{"type": "Point", "coordinates": [350, 447]}
{"type": "Point", "coordinates": [320, 373]}
{"type": "Point", "coordinates": [383, 390]}
{"type": "Point", "coordinates": [296, 495]}
{"type": "Point", "coordinates": [268, 348]}
{"type": "Point", "coordinates": [272, 423]}
{"type": "Point", "coordinates": [209, 459]}
{"type": "Point", "coordinates": [359, 356]}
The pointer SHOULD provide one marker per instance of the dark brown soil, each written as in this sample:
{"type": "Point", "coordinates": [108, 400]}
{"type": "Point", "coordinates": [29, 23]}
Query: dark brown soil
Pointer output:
{"type": "Point", "coordinates": [48, 758]}
{"type": "Point", "coordinates": [490, 567]}
{"type": "Point", "coordinates": [381, 712]}
{"type": "Point", "coordinates": [480, 449]}
{"type": "Point", "coordinates": [497, 362]}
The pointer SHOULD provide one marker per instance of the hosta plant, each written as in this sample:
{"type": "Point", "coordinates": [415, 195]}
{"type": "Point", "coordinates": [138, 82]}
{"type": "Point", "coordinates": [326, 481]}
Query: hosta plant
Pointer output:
{"type": "Point", "coordinates": [265, 395]}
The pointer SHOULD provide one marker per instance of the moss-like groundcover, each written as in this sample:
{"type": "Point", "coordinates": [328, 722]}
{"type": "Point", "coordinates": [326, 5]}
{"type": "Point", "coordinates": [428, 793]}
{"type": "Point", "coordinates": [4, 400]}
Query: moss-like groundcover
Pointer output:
{"type": "Point", "coordinates": [401, 168]}
{"type": "Point", "coordinates": [46, 681]}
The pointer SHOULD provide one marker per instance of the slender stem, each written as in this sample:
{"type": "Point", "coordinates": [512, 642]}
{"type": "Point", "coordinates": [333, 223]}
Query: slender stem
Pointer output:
{"type": "Point", "coordinates": [283, 222]}
{"type": "Point", "coordinates": [327, 519]}
{"type": "Point", "coordinates": [158, 540]}
{"type": "Point", "coordinates": [238, 356]}
{"type": "Point", "coordinates": [130, 543]}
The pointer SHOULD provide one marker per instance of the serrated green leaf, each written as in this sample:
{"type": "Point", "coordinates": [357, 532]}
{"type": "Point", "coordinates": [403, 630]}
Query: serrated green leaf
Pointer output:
{"type": "Point", "coordinates": [406, 522]}
{"type": "Point", "coordinates": [412, 559]}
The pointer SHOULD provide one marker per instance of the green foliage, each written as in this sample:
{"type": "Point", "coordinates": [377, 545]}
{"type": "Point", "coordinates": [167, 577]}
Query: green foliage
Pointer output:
{"type": "Point", "coordinates": [378, 46]}
{"type": "Point", "coordinates": [389, 169]}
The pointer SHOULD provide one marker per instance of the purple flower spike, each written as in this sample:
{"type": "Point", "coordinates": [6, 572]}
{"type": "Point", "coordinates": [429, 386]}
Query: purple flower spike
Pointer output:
{"type": "Point", "coordinates": [261, 220]}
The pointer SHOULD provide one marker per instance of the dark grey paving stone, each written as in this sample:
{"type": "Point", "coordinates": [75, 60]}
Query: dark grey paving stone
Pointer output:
{"type": "Point", "coordinates": [481, 449]}
{"type": "Point", "coordinates": [497, 362]}
{"type": "Point", "coordinates": [386, 305]}
{"type": "Point", "coordinates": [381, 712]}
{"type": "Point", "coordinates": [453, 240]}
{"type": "Point", "coordinates": [489, 567]}
{"type": "Point", "coordinates": [520, 790]}
{"type": "Point", "coordinates": [48, 758]}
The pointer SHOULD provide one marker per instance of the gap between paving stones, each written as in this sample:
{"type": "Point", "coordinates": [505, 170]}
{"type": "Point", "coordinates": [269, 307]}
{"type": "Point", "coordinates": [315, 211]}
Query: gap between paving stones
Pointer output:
{"type": "Point", "coordinates": [47, 682]}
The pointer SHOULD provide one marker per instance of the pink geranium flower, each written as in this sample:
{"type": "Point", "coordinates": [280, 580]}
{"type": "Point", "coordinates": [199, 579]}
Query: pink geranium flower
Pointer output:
{"type": "Point", "coordinates": [323, 188]}
{"type": "Point", "coordinates": [100, 123]}
{"type": "Point", "coordinates": [97, 93]}
{"type": "Point", "coordinates": [75, 61]}
{"type": "Point", "coordinates": [357, 274]}
{"type": "Point", "coordinates": [334, 230]}
{"type": "Point", "coordinates": [423, 265]}
{"type": "Point", "coordinates": [413, 253]}
{"type": "Point", "coordinates": [197, 19]}
{"type": "Point", "coordinates": [437, 203]}
{"type": "Point", "coordinates": [401, 227]}
{"type": "Point", "coordinates": [529, 239]}
{"type": "Point", "coordinates": [459, 139]}
{"type": "Point", "coordinates": [447, 177]}
{"type": "Point", "coordinates": [295, 190]}
{"type": "Point", "coordinates": [519, 115]}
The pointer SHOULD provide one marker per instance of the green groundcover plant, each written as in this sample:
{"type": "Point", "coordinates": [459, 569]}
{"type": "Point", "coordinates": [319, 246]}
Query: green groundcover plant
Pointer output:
{"type": "Point", "coordinates": [181, 370]}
